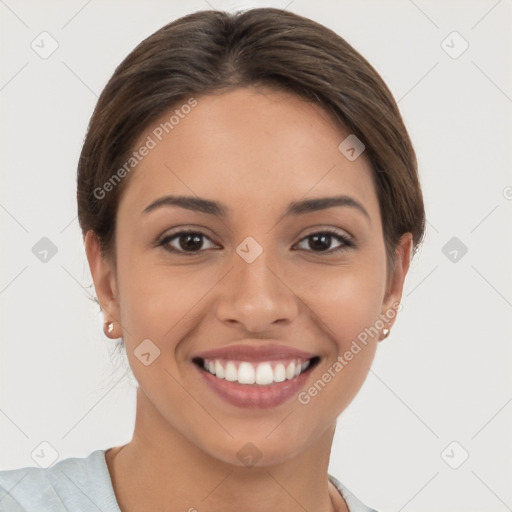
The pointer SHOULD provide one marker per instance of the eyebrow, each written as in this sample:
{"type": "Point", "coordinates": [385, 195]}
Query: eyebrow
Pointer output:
{"type": "Point", "coordinates": [218, 209]}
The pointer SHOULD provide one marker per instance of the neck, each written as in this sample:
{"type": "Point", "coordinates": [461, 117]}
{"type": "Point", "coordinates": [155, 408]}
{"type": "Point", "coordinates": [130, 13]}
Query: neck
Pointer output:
{"type": "Point", "coordinates": [162, 469]}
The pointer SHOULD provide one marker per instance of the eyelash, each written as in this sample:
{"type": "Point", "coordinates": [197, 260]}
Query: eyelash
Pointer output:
{"type": "Point", "coordinates": [346, 241]}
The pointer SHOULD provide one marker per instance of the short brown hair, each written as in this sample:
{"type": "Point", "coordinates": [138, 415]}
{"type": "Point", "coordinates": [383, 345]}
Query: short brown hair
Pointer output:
{"type": "Point", "coordinates": [209, 51]}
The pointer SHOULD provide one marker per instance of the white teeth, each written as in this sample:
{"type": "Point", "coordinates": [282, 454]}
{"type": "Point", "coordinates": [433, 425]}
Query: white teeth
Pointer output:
{"type": "Point", "coordinates": [246, 374]}
{"type": "Point", "coordinates": [231, 373]}
{"type": "Point", "coordinates": [219, 370]}
{"type": "Point", "coordinates": [262, 374]}
{"type": "Point", "coordinates": [279, 373]}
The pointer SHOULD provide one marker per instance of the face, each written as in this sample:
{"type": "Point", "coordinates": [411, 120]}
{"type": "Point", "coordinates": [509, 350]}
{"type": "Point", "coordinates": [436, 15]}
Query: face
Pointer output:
{"type": "Point", "coordinates": [266, 282]}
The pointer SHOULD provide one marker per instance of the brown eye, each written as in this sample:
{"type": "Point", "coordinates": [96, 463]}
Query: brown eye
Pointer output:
{"type": "Point", "coordinates": [185, 242]}
{"type": "Point", "coordinates": [321, 241]}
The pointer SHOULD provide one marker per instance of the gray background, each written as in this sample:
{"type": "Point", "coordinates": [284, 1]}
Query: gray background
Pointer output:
{"type": "Point", "coordinates": [443, 375]}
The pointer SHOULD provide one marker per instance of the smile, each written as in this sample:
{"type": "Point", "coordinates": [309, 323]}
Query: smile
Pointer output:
{"type": "Point", "coordinates": [254, 375]}
{"type": "Point", "coordinates": [263, 373]}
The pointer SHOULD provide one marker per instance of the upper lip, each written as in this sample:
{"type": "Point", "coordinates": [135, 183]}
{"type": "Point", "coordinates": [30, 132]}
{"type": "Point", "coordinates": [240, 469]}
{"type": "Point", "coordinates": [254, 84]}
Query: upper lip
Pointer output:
{"type": "Point", "coordinates": [256, 353]}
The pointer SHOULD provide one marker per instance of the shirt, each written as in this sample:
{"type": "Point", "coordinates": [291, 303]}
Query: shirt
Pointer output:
{"type": "Point", "coordinates": [82, 484]}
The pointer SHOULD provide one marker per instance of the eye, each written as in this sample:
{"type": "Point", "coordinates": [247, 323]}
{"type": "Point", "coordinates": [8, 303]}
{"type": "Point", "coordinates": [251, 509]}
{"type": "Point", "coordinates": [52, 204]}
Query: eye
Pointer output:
{"type": "Point", "coordinates": [190, 242]}
{"type": "Point", "coordinates": [322, 240]}
{"type": "Point", "coordinates": [185, 242]}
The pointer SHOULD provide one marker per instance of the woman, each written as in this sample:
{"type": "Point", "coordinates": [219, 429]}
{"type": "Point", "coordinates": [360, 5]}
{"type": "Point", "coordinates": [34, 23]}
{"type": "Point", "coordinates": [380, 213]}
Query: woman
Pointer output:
{"type": "Point", "coordinates": [249, 200]}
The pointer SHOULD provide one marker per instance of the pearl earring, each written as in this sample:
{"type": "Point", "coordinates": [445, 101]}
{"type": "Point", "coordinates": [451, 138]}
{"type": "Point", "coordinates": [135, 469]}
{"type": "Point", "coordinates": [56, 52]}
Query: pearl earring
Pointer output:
{"type": "Point", "coordinates": [385, 333]}
{"type": "Point", "coordinates": [108, 327]}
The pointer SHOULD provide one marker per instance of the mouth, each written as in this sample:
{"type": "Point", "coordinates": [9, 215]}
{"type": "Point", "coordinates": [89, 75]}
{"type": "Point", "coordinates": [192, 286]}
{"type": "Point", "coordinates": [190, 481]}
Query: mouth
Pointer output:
{"type": "Point", "coordinates": [263, 373]}
{"type": "Point", "coordinates": [255, 384]}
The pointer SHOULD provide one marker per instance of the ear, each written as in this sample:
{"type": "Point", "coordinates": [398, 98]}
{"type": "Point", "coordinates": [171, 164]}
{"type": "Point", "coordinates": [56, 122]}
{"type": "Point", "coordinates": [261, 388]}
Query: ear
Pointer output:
{"type": "Point", "coordinates": [390, 305]}
{"type": "Point", "coordinates": [104, 277]}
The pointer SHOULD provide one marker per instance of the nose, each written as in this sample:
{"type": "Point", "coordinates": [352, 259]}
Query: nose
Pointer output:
{"type": "Point", "coordinates": [256, 296]}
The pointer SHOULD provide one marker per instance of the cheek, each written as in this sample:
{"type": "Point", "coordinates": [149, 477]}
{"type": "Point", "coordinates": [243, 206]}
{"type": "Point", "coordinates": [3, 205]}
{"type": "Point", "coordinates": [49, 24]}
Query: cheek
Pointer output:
{"type": "Point", "coordinates": [161, 303]}
{"type": "Point", "coordinates": [345, 312]}
{"type": "Point", "coordinates": [345, 306]}
{"type": "Point", "coordinates": [346, 300]}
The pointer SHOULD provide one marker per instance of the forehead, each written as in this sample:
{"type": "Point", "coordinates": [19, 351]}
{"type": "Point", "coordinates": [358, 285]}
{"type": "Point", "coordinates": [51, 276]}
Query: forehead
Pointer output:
{"type": "Point", "coordinates": [255, 148]}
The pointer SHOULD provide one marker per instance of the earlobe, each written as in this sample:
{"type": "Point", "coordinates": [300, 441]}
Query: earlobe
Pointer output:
{"type": "Point", "coordinates": [103, 275]}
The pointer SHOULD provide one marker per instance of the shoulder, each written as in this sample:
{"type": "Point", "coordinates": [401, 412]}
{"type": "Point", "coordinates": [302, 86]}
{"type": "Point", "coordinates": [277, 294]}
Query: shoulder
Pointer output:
{"type": "Point", "coordinates": [78, 483]}
{"type": "Point", "coordinates": [353, 503]}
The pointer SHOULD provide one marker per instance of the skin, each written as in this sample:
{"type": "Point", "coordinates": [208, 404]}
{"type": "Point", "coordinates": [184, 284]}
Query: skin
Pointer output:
{"type": "Point", "coordinates": [254, 150]}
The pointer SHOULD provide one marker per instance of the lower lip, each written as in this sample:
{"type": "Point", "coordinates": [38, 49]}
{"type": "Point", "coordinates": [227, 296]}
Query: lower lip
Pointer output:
{"type": "Point", "coordinates": [252, 396]}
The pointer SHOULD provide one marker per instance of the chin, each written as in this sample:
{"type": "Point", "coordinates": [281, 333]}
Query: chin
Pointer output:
{"type": "Point", "coordinates": [256, 451]}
